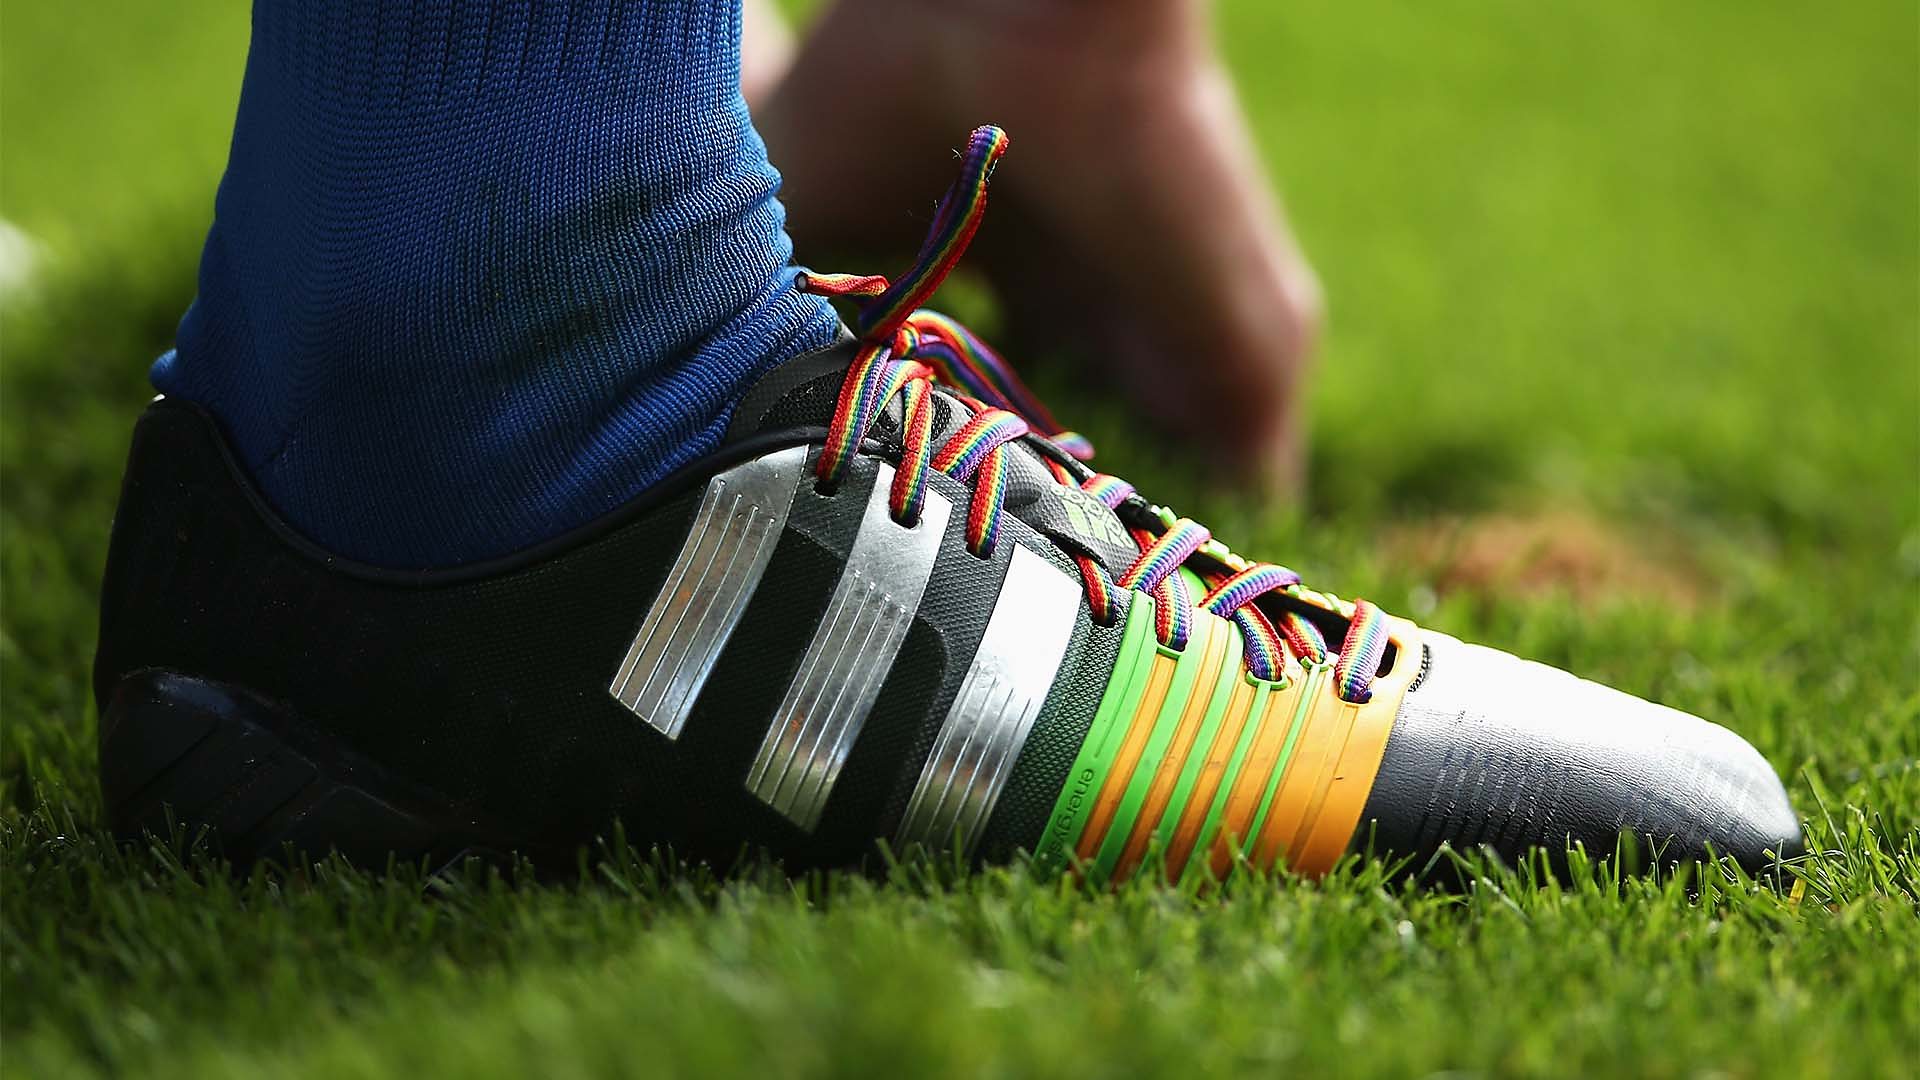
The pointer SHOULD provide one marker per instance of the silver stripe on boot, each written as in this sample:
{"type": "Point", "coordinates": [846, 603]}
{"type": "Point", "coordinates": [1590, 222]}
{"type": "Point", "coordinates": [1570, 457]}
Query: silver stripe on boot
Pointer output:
{"type": "Point", "coordinates": [999, 698]}
{"type": "Point", "coordinates": [700, 603]}
{"type": "Point", "coordinates": [845, 664]}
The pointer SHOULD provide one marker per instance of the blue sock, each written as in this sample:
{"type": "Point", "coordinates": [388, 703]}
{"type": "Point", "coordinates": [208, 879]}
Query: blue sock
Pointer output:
{"type": "Point", "coordinates": [481, 270]}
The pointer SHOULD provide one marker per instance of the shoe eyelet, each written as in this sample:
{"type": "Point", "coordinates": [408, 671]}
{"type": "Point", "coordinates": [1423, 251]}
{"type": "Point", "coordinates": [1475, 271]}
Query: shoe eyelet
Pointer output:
{"type": "Point", "coordinates": [1274, 685]}
{"type": "Point", "coordinates": [825, 490]}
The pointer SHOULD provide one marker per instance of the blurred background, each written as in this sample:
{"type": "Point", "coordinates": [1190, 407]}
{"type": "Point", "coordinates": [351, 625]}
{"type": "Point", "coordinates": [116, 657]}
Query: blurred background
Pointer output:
{"type": "Point", "coordinates": [1622, 372]}
{"type": "Point", "coordinates": [1640, 251]}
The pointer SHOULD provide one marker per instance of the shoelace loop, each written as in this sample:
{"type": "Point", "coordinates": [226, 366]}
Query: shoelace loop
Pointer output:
{"type": "Point", "coordinates": [904, 349]}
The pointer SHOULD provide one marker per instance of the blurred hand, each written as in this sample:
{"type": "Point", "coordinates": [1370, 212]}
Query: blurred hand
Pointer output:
{"type": "Point", "coordinates": [1131, 220]}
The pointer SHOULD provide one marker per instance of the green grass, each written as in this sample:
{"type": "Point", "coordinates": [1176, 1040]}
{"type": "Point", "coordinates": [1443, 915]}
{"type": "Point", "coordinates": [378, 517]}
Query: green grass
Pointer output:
{"type": "Point", "coordinates": [1657, 267]}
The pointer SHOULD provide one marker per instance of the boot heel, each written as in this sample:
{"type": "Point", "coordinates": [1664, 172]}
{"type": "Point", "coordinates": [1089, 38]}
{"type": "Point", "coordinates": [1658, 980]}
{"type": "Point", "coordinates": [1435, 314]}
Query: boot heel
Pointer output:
{"type": "Point", "coordinates": [222, 762]}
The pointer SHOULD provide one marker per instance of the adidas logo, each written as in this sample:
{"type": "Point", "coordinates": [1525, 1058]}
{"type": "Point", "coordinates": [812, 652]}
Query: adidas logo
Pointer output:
{"type": "Point", "coordinates": [1092, 520]}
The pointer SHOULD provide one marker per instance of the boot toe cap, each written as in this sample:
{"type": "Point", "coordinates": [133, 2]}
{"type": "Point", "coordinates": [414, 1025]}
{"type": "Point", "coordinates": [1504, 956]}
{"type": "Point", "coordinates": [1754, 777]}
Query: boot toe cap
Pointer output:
{"type": "Point", "coordinates": [1493, 751]}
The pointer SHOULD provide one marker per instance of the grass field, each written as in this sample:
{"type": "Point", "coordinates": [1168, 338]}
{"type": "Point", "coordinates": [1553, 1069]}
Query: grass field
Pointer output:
{"type": "Point", "coordinates": [1624, 373]}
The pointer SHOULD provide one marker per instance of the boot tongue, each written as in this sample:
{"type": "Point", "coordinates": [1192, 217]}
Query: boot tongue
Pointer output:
{"type": "Point", "coordinates": [800, 393]}
{"type": "Point", "coordinates": [803, 392]}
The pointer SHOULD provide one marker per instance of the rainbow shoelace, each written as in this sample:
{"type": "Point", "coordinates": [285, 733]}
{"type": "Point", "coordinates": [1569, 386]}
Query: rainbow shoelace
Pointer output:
{"type": "Point", "coordinates": [905, 349]}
